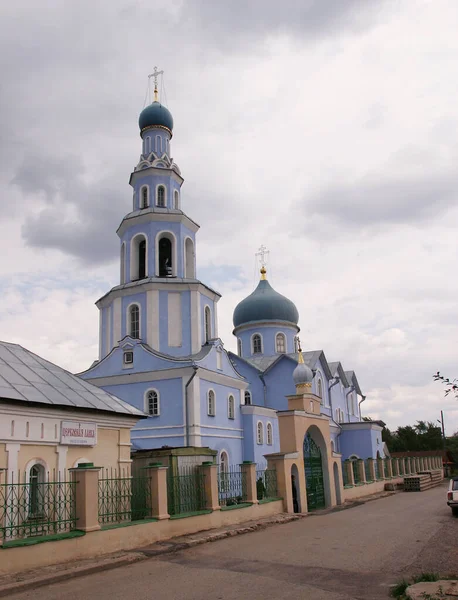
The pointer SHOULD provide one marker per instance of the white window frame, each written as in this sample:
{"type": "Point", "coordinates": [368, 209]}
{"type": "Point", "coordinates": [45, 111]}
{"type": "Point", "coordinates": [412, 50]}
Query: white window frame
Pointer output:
{"type": "Point", "coordinates": [141, 203]}
{"type": "Point", "coordinates": [224, 464]}
{"type": "Point", "coordinates": [252, 343]}
{"type": "Point", "coordinates": [278, 335]}
{"type": "Point", "coordinates": [260, 433]}
{"type": "Point", "coordinates": [122, 274]}
{"type": "Point", "coordinates": [147, 402]}
{"type": "Point", "coordinates": [135, 258]}
{"type": "Point", "coordinates": [211, 403]}
{"type": "Point", "coordinates": [129, 320]}
{"type": "Point", "coordinates": [189, 242]}
{"type": "Point", "coordinates": [207, 323]}
{"type": "Point", "coordinates": [172, 237]}
{"type": "Point", "coordinates": [231, 407]}
{"type": "Point", "coordinates": [176, 200]}
{"type": "Point", "coordinates": [269, 434]}
{"type": "Point", "coordinates": [319, 389]}
{"type": "Point", "coordinates": [164, 187]}
{"type": "Point", "coordinates": [248, 393]}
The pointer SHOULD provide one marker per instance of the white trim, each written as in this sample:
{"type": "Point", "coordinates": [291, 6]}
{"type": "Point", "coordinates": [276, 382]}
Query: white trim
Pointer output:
{"type": "Point", "coordinates": [176, 199]}
{"type": "Point", "coordinates": [244, 398]}
{"type": "Point", "coordinates": [206, 337]}
{"type": "Point", "coordinates": [158, 147]}
{"type": "Point", "coordinates": [185, 261]}
{"type": "Point", "coordinates": [82, 459]}
{"type": "Point", "coordinates": [36, 461]}
{"type": "Point", "coordinates": [223, 450]}
{"type": "Point", "coordinates": [252, 345]}
{"type": "Point", "coordinates": [285, 351]}
{"type": "Point", "coordinates": [213, 413]}
{"type": "Point", "coordinates": [219, 435]}
{"type": "Point", "coordinates": [156, 197]}
{"type": "Point", "coordinates": [159, 427]}
{"type": "Point", "coordinates": [134, 258]}
{"type": "Point", "coordinates": [146, 402]}
{"type": "Point", "coordinates": [229, 407]}
{"type": "Point", "coordinates": [117, 322]}
{"type": "Point", "coordinates": [173, 239]}
{"type": "Point", "coordinates": [259, 443]}
{"type": "Point", "coordinates": [154, 437]}
{"type": "Point", "coordinates": [269, 426]}
{"type": "Point", "coordinates": [129, 323]}
{"type": "Point", "coordinates": [122, 267]}
{"type": "Point", "coordinates": [196, 339]}
{"type": "Point", "coordinates": [222, 428]}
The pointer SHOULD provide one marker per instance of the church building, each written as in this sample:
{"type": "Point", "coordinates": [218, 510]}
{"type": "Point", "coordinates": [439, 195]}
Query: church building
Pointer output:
{"type": "Point", "coordinates": [159, 348]}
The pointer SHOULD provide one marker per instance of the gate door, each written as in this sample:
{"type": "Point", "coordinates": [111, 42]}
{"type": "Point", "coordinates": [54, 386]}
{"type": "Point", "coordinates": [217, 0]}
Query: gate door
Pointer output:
{"type": "Point", "coordinates": [313, 474]}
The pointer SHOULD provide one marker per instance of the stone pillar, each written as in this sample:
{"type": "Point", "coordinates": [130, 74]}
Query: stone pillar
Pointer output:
{"type": "Point", "coordinates": [210, 472]}
{"type": "Point", "coordinates": [361, 470]}
{"type": "Point", "coordinates": [417, 464]}
{"type": "Point", "coordinates": [389, 468]}
{"type": "Point", "coordinates": [157, 475]}
{"type": "Point", "coordinates": [409, 465]}
{"type": "Point", "coordinates": [284, 483]}
{"type": "Point", "coordinates": [249, 481]}
{"type": "Point", "coordinates": [381, 468]}
{"type": "Point", "coordinates": [395, 466]}
{"type": "Point", "coordinates": [349, 472]}
{"type": "Point", "coordinates": [3, 494]}
{"type": "Point", "coordinates": [86, 477]}
{"type": "Point", "coordinates": [371, 463]}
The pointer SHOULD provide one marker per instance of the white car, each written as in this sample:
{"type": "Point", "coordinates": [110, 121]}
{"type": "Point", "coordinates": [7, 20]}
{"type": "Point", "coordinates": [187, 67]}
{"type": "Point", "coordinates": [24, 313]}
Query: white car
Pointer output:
{"type": "Point", "coordinates": [452, 496]}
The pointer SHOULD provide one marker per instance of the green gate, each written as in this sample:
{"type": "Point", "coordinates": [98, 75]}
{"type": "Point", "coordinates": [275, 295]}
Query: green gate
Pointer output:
{"type": "Point", "coordinates": [313, 474]}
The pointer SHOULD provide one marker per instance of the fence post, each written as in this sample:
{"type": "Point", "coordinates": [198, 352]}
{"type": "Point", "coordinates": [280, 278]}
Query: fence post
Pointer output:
{"type": "Point", "coordinates": [395, 466]}
{"type": "Point", "coordinates": [349, 472]}
{"type": "Point", "coordinates": [248, 470]}
{"type": "Point", "coordinates": [3, 494]}
{"type": "Point", "coordinates": [370, 462]}
{"type": "Point", "coordinates": [210, 473]}
{"type": "Point", "coordinates": [157, 475]}
{"type": "Point", "coordinates": [86, 478]}
{"type": "Point", "coordinates": [361, 470]}
{"type": "Point", "coordinates": [389, 468]}
{"type": "Point", "coordinates": [408, 464]}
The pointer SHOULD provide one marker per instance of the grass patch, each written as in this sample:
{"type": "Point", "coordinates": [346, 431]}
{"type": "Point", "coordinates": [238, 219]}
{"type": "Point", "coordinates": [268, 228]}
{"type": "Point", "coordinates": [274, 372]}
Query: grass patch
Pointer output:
{"type": "Point", "coordinates": [399, 590]}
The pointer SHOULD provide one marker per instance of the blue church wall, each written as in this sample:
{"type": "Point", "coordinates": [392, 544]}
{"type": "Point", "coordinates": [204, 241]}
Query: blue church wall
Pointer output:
{"type": "Point", "coordinates": [363, 443]}
{"type": "Point", "coordinates": [210, 362]}
{"type": "Point", "coordinates": [252, 450]}
{"type": "Point", "coordinates": [221, 418]}
{"type": "Point", "coordinates": [279, 380]}
{"type": "Point", "coordinates": [268, 334]}
{"type": "Point", "coordinates": [325, 385]}
{"type": "Point", "coordinates": [255, 385]}
{"type": "Point", "coordinates": [153, 145]}
{"type": "Point", "coordinates": [104, 317]}
{"type": "Point", "coordinates": [206, 301]}
{"type": "Point", "coordinates": [185, 348]}
{"type": "Point", "coordinates": [233, 447]}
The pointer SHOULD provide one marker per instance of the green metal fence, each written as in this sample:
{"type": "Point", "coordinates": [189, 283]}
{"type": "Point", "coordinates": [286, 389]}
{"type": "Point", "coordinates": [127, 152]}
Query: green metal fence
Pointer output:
{"type": "Point", "coordinates": [356, 475]}
{"type": "Point", "coordinates": [376, 470]}
{"type": "Point", "coordinates": [232, 486]}
{"type": "Point", "coordinates": [266, 484]}
{"type": "Point", "coordinates": [186, 492]}
{"type": "Point", "coordinates": [123, 498]}
{"type": "Point", "coordinates": [36, 506]}
{"type": "Point", "coordinates": [368, 471]}
{"type": "Point", "coordinates": [345, 475]}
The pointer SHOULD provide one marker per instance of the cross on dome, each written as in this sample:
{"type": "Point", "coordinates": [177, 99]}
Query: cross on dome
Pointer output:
{"type": "Point", "coordinates": [155, 74]}
{"type": "Point", "coordinates": [263, 254]}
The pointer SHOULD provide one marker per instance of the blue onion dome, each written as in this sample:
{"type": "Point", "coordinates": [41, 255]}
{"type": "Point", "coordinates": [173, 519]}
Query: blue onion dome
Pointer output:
{"type": "Point", "coordinates": [302, 374]}
{"type": "Point", "coordinates": [155, 115]}
{"type": "Point", "coordinates": [265, 304]}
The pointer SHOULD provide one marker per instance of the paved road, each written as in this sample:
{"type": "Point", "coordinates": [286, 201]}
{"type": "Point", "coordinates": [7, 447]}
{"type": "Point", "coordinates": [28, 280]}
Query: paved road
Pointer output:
{"type": "Point", "coordinates": [351, 554]}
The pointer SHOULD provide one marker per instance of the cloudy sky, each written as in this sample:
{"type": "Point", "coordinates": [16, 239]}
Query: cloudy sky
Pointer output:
{"type": "Point", "coordinates": [326, 130]}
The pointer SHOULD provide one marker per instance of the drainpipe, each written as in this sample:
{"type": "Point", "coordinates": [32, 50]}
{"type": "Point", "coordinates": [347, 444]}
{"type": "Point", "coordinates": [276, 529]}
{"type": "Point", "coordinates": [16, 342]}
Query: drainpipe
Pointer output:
{"type": "Point", "coordinates": [352, 389]}
{"type": "Point", "coordinates": [186, 425]}
{"type": "Point", "coordinates": [261, 377]}
{"type": "Point", "coordinates": [336, 381]}
{"type": "Point", "coordinates": [359, 405]}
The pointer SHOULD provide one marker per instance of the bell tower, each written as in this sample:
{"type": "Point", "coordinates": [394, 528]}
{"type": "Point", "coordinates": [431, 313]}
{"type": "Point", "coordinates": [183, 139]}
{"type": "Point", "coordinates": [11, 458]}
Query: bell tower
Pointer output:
{"type": "Point", "coordinates": [158, 300]}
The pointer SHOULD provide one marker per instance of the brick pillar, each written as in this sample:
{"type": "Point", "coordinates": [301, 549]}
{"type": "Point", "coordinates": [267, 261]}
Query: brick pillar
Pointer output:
{"type": "Point", "coordinates": [3, 477]}
{"type": "Point", "coordinates": [249, 481]}
{"type": "Point", "coordinates": [417, 464]}
{"type": "Point", "coordinates": [210, 472]}
{"type": "Point", "coordinates": [371, 463]}
{"type": "Point", "coordinates": [395, 467]}
{"type": "Point", "coordinates": [409, 465]}
{"type": "Point", "coordinates": [381, 468]}
{"type": "Point", "coordinates": [361, 470]}
{"type": "Point", "coordinates": [284, 485]}
{"type": "Point", "coordinates": [349, 472]}
{"type": "Point", "coordinates": [157, 475]}
{"type": "Point", "coordinates": [86, 477]}
{"type": "Point", "coordinates": [389, 468]}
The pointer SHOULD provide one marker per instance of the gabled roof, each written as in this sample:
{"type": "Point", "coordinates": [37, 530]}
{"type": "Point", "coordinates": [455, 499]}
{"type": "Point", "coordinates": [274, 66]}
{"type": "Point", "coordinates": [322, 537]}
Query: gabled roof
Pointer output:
{"type": "Point", "coordinates": [353, 381]}
{"type": "Point", "coordinates": [337, 371]}
{"type": "Point", "coordinates": [26, 377]}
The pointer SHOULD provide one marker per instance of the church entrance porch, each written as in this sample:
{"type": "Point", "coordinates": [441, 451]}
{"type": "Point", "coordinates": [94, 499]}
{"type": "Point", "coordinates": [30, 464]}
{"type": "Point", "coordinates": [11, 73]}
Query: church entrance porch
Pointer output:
{"type": "Point", "coordinates": [313, 470]}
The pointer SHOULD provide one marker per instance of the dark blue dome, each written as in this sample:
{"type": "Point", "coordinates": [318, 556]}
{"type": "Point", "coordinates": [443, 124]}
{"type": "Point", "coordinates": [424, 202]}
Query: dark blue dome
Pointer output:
{"type": "Point", "coordinates": [265, 304]}
{"type": "Point", "coordinates": [155, 115]}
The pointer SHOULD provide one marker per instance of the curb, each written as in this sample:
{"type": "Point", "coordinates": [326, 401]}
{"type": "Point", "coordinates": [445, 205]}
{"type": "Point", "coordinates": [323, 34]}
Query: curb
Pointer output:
{"type": "Point", "coordinates": [139, 554]}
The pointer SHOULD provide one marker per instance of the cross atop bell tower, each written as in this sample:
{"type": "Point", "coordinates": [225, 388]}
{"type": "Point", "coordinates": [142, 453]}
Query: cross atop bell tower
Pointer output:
{"type": "Point", "coordinates": [263, 255]}
{"type": "Point", "coordinates": [155, 74]}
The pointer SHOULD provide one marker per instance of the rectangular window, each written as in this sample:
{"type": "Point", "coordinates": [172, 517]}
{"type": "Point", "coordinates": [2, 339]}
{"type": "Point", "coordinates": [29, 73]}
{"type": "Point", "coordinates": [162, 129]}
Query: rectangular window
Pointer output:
{"type": "Point", "coordinates": [128, 358]}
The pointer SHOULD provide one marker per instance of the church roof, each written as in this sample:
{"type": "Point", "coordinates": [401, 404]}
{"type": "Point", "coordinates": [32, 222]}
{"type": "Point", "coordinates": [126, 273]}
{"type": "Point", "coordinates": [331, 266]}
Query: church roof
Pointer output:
{"type": "Point", "coordinates": [350, 375]}
{"type": "Point", "coordinates": [26, 377]}
{"type": "Point", "coordinates": [154, 115]}
{"type": "Point", "coordinates": [265, 363]}
{"type": "Point", "coordinates": [337, 371]}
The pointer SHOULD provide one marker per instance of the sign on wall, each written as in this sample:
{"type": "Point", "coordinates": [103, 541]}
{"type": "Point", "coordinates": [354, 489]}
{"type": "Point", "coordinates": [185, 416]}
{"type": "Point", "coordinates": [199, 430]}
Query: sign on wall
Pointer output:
{"type": "Point", "coordinates": [73, 433]}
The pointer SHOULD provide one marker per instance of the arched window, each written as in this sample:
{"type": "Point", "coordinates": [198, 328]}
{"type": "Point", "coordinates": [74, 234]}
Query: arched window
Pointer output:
{"type": "Point", "coordinates": [231, 407]}
{"type": "Point", "coordinates": [37, 478]}
{"type": "Point", "coordinates": [142, 259]}
{"type": "Point", "coordinates": [123, 263]}
{"type": "Point", "coordinates": [211, 404]}
{"type": "Point", "coordinates": [165, 257]}
{"type": "Point", "coordinates": [260, 433]}
{"type": "Point", "coordinates": [134, 321]}
{"type": "Point", "coordinates": [138, 258]}
{"type": "Point", "coordinates": [269, 434]}
{"type": "Point", "coordinates": [144, 197]}
{"type": "Point", "coordinates": [319, 392]}
{"type": "Point", "coordinates": [152, 403]}
{"type": "Point", "coordinates": [256, 342]}
{"type": "Point", "coordinates": [239, 347]}
{"type": "Point", "coordinates": [176, 200]}
{"type": "Point", "coordinates": [147, 145]}
{"type": "Point", "coordinates": [208, 324]}
{"type": "Point", "coordinates": [190, 271]}
{"type": "Point", "coordinates": [161, 196]}
{"type": "Point", "coordinates": [223, 462]}
{"type": "Point", "coordinates": [247, 398]}
{"type": "Point", "coordinates": [158, 143]}
{"type": "Point", "coordinates": [280, 343]}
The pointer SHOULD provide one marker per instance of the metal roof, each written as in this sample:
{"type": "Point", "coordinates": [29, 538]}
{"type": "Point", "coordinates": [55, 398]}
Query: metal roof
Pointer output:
{"type": "Point", "coordinates": [26, 377]}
